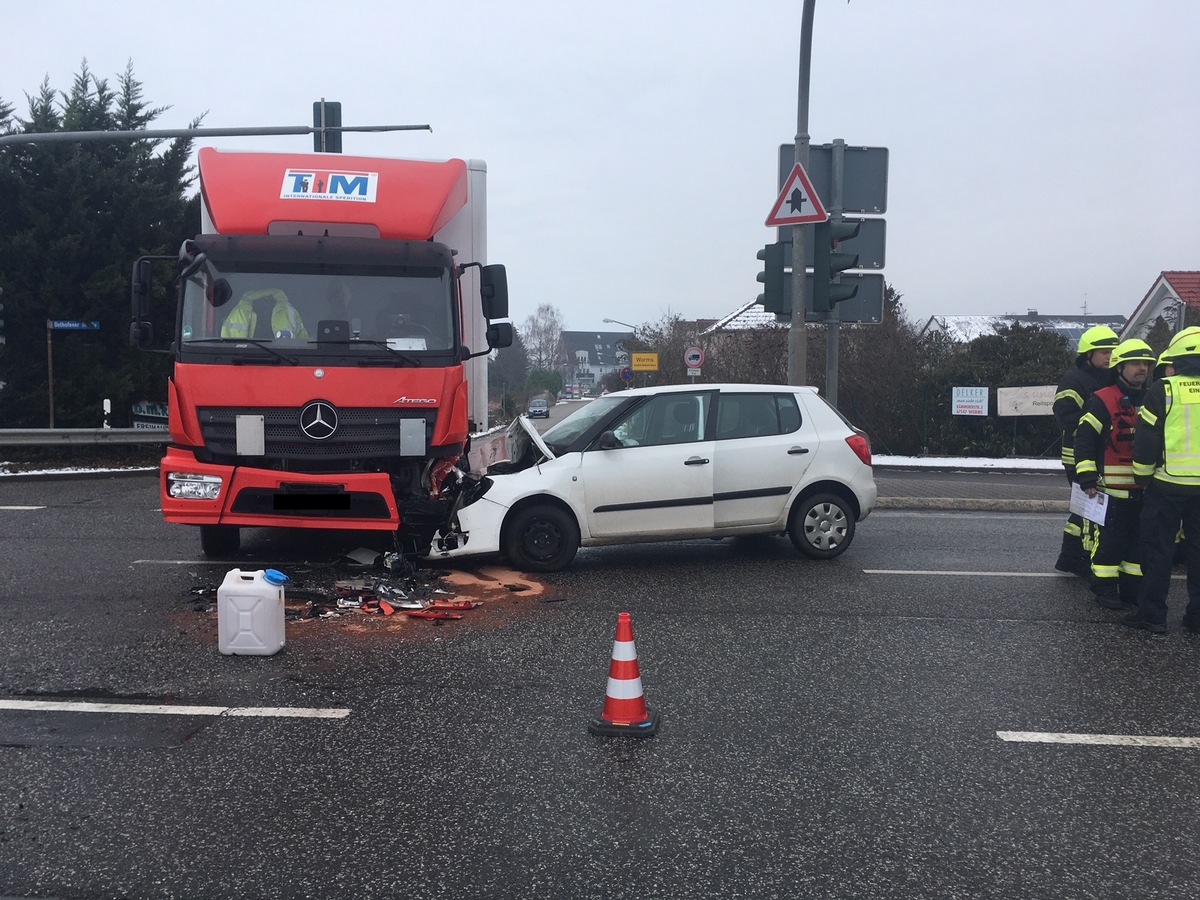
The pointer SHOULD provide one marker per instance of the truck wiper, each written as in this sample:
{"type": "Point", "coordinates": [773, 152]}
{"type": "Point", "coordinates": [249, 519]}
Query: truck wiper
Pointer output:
{"type": "Point", "coordinates": [411, 360]}
{"type": "Point", "coordinates": [290, 360]}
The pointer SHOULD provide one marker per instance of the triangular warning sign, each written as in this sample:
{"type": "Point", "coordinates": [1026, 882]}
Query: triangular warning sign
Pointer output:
{"type": "Point", "coordinates": [798, 203]}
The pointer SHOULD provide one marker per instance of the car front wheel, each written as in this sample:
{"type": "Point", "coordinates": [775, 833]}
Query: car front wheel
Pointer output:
{"type": "Point", "coordinates": [541, 538]}
{"type": "Point", "coordinates": [822, 526]}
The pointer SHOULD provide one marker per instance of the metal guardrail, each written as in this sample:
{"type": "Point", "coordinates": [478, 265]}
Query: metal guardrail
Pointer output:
{"type": "Point", "coordinates": [58, 437]}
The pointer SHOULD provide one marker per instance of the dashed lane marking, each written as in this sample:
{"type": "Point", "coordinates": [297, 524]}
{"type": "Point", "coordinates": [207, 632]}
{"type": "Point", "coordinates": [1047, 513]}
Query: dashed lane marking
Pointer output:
{"type": "Point", "coordinates": [959, 573]}
{"type": "Point", "coordinates": [1119, 740]}
{"type": "Point", "coordinates": [160, 709]}
{"type": "Point", "coordinates": [18, 508]}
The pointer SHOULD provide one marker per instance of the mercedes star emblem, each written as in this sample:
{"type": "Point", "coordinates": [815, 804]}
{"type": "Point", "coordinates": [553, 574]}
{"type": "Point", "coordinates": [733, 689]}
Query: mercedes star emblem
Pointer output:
{"type": "Point", "coordinates": [318, 420]}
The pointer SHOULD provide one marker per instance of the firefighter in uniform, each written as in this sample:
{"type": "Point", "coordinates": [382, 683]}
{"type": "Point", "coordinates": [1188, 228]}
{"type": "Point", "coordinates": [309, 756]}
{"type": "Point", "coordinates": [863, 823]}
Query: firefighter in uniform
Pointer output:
{"type": "Point", "coordinates": [1090, 373]}
{"type": "Point", "coordinates": [1166, 458]}
{"type": "Point", "coordinates": [1104, 463]}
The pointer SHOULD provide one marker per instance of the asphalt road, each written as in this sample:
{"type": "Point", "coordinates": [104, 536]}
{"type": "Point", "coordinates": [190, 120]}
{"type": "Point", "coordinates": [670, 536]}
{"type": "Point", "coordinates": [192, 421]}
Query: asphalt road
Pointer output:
{"type": "Point", "coordinates": [829, 729]}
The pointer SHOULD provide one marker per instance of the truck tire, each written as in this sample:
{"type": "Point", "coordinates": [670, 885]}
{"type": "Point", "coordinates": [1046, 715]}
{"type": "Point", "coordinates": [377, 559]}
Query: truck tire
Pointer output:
{"type": "Point", "coordinates": [541, 538]}
{"type": "Point", "coordinates": [822, 526]}
{"type": "Point", "coordinates": [220, 540]}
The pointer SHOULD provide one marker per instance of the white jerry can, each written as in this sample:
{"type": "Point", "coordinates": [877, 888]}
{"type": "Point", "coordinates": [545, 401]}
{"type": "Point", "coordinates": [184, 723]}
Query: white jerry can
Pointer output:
{"type": "Point", "coordinates": [250, 612]}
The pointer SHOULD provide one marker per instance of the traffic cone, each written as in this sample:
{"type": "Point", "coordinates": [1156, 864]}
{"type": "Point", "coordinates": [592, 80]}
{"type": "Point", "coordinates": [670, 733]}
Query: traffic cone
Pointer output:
{"type": "Point", "coordinates": [625, 712]}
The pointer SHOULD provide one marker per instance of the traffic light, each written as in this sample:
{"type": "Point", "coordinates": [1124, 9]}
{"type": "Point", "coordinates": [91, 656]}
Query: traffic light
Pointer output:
{"type": "Point", "coordinates": [327, 115]}
{"type": "Point", "coordinates": [773, 278]}
{"type": "Point", "coordinates": [828, 264]}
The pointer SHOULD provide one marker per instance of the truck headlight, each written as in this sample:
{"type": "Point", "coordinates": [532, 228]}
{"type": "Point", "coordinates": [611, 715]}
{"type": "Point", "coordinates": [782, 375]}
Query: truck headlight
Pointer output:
{"type": "Point", "coordinates": [186, 486]}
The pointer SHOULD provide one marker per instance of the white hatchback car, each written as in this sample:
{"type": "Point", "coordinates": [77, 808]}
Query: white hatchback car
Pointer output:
{"type": "Point", "coordinates": [671, 463]}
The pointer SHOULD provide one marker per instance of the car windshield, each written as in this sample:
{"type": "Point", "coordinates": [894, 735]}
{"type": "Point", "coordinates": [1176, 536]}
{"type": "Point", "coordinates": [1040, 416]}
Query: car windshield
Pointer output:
{"type": "Point", "coordinates": [565, 433]}
{"type": "Point", "coordinates": [409, 309]}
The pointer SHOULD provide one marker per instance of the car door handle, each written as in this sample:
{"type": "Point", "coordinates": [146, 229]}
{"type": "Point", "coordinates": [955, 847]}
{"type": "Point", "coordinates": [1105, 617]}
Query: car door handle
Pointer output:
{"type": "Point", "coordinates": [796, 451]}
{"type": "Point", "coordinates": [696, 461]}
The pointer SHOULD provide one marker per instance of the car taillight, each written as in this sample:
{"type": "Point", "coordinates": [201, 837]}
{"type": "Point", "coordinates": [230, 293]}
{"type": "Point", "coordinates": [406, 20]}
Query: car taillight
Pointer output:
{"type": "Point", "coordinates": [861, 445]}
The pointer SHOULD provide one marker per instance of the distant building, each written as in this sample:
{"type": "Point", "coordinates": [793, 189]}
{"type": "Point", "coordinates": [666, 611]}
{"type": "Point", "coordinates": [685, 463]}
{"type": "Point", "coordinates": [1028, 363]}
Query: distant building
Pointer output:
{"type": "Point", "coordinates": [1168, 298]}
{"type": "Point", "coordinates": [590, 355]}
{"type": "Point", "coordinates": [964, 329]}
{"type": "Point", "coordinates": [747, 317]}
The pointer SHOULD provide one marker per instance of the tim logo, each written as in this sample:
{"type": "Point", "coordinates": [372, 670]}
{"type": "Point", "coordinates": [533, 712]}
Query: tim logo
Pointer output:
{"type": "Point", "coordinates": [323, 184]}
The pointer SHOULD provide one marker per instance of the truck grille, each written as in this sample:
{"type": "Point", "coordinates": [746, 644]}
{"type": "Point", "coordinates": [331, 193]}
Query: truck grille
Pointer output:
{"type": "Point", "coordinates": [361, 433]}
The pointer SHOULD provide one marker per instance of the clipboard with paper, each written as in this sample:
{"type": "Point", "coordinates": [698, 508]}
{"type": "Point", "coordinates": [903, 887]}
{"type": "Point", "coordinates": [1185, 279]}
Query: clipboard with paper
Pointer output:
{"type": "Point", "coordinates": [1094, 509]}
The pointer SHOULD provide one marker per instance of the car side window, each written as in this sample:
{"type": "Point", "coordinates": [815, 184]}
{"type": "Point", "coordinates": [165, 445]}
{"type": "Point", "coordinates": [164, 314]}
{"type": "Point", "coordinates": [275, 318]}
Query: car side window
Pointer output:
{"type": "Point", "coordinates": [666, 419]}
{"type": "Point", "coordinates": [789, 413]}
{"type": "Point", "coordinates": [756, 415]}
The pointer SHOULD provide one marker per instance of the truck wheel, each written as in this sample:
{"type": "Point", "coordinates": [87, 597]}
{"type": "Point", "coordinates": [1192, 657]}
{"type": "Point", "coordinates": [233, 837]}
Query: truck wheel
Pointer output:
{"type": "Point", "coordinates": [541, 538]}
{"type": "Point", "coordinates": [822, 526]}
{"type": "Point", "coordinates": [220, 540]}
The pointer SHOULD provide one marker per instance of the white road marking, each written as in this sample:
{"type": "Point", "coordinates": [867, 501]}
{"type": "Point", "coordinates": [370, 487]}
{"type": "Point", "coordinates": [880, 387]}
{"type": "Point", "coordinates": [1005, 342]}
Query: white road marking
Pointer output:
{"type": "Point", "coordinates": [22, 507]}
{"type": "Point", "coordinates": [1120, 740]}
{"type": "Point", "coordinates": [291, 712]}
{"type": "Point", "coordinates": [187, 562]}
{"type": "Point", "coordinates": [960, 573]}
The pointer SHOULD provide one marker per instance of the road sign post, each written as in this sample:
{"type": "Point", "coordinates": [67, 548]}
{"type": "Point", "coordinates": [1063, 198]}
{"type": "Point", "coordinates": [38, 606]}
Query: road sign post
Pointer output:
{"type": "Point", "coordinates": [53, 325]}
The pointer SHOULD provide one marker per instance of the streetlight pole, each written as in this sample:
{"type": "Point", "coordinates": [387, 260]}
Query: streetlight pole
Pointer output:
{"type": "Point", "coordinates": [797, 337]}
{"type": "Point", "coordinates": [632, 328]}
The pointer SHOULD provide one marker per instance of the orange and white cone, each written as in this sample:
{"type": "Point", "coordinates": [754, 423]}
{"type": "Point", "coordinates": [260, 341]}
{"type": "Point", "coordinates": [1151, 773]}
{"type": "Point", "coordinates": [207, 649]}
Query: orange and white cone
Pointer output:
{"type": "Point", "coordinates": [625, 712]}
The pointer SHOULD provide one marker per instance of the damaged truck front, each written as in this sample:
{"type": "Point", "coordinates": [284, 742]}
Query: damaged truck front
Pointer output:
{"type": "Point", "coordinates": [329, 345]}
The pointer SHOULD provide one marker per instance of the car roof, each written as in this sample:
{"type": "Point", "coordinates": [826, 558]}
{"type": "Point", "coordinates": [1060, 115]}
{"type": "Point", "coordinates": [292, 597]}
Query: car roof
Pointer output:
{"type": "Point", "coordinates": [730, 387]}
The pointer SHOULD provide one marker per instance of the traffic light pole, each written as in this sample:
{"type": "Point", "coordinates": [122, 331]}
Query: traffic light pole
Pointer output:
{"type": "Point", "coordinates": [797, 340]}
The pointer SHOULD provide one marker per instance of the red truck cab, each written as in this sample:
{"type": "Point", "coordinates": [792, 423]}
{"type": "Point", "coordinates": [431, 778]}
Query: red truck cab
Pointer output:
{"type": "Point", "coordinates": [324, 346]}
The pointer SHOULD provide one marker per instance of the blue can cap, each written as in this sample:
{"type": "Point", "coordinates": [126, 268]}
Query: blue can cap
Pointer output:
{"type": "Point", "coordinates": [274, 576]}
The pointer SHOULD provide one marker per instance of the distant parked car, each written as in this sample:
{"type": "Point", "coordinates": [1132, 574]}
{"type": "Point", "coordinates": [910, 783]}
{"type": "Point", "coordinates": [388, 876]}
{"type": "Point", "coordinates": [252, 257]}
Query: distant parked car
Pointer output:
{"type": "Point", "coordinates": [668, 463]}
{"type": "Point", "coordinates": [538, 409]}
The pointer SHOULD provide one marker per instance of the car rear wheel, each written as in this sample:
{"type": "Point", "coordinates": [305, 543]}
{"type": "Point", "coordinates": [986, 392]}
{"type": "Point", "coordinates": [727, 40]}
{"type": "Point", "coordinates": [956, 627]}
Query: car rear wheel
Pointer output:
{"type": "Point", "coordinates": [541, 538]}
{"type": "Point", "coordinates": [822, 526]}
{"type": "Point", "coordinates": [220, 540]}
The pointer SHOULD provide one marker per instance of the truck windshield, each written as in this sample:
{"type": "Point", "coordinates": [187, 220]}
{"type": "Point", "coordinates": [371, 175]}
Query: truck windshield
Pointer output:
{"type": "Point", "coordinates": [408, 309]}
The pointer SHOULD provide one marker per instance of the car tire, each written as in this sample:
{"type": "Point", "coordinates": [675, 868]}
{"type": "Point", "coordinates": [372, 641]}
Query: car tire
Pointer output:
{"type": "Point", "coordinates": [220, 540]}
{"type": "Point", "coordinates": [541, 538]}
{"type": "Point", "coordinates": [822, 526]}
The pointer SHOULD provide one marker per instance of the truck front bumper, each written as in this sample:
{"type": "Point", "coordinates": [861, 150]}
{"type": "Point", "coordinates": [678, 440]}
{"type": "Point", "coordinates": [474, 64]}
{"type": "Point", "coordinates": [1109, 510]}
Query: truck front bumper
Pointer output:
{"type": "Point", "coordinates": [196, 493]}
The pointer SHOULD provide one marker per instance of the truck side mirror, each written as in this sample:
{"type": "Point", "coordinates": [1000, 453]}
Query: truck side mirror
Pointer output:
{"type": "Point", "coordinates": [499, 334]}
{"type": "Point", "coordinates": [141, 288]}
{"type": "Point", "coordinates": [493, 292]}
{"type": "Point", "coordinates": [141, 334]}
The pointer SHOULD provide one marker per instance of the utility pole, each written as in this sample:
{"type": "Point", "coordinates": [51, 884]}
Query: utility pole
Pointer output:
{"type": "Point", "coordinates": [797, 338]}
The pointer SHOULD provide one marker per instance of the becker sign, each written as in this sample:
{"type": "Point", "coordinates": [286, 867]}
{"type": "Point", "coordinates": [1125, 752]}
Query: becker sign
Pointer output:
{"type": "Point", "coordinates": [970, 401]}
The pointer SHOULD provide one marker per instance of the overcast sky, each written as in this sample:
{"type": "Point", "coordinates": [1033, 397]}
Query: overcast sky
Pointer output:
{"type": "Point", "coordinates": [1044, 154]}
